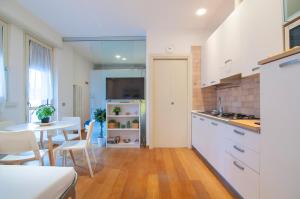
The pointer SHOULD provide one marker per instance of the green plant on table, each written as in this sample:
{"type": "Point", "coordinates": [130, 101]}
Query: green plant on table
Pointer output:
{"type": "Point", "coordinates": [44, 112]}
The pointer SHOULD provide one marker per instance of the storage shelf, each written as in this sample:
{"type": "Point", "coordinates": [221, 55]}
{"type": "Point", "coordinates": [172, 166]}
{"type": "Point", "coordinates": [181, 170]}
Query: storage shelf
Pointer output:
{"type": "Point", "coordinates": [115, 116]}
{"type": "Point", "coordinates": [124, 145]}
{"type": "Point", "coordinates": [124, 129]}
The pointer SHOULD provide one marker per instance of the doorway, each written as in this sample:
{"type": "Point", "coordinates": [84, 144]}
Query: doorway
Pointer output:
{"type": "Point", "coordinates": [170, 102]}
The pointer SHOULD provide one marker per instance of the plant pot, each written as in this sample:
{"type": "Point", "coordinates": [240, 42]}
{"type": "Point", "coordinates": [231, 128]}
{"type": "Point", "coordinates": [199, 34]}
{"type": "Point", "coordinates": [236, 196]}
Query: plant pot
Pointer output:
{"type": "Point", "coordinates": [111, 125]}
{"type": "Point", "coordinates": [135, 125]}
{"type": "Point", "coordinates": [101, 142]}
{"type": "Point", "coordinates": [117, 113]}
{"type": "Point", "coordinates": [45, 120]}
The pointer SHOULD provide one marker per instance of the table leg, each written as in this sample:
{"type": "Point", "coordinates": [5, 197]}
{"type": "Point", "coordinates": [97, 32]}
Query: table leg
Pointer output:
{"type": "Point", "coordinates": [50, 151]}
{"type": "Point", "coordinates": [70, 151]}
{"type": "Point", "coordinates": [42, 139]}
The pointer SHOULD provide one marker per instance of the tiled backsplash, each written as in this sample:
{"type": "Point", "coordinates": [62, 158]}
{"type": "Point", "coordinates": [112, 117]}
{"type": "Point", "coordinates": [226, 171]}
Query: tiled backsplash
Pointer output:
{"type": "Point", "coordinates": [240, 99]}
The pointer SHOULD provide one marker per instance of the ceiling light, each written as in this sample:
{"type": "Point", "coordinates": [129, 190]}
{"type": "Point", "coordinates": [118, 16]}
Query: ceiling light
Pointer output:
{"type": "Point", "coordinates": [118, 56]}
{"type": "Point", "coordinates": [201, 11]}
{"type": "Point", "coordinates": [124, 58]}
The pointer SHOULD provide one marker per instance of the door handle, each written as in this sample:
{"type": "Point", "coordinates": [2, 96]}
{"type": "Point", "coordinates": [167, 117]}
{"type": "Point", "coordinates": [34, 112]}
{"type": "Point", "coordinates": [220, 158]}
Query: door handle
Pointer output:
{"type": "Point", "coordinates": [239, 149]}
{"type": "Point", "coordinates": [238, 132]}
{"type": "Point", "coordinates": [238, 166]}
{"type": "Point", "coordinates": [255, 68]}
{"type": "Point", "coordinates": [289, 63]}
{"type": "Point", "coordinates": [172, 103]}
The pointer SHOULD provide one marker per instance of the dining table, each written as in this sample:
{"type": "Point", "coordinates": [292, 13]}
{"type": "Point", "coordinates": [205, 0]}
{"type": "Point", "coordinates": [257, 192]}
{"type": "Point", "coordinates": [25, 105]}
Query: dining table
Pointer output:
{"type": "Point", "coordinates": [49, 129]}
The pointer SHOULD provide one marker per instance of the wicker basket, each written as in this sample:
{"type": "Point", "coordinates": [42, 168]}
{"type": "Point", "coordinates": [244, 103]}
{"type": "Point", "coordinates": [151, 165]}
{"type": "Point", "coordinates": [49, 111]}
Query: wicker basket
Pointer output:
{"type": "Point", "coordinates": [135, 125]}
{"type": "Point", "coordinates": [112, 125]}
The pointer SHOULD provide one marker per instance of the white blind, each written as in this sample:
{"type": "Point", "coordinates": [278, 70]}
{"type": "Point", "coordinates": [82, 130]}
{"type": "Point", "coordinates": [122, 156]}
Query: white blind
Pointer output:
{"type": "Point", "coordinates": [2, 69]}
{"type": "Point", "coordinates": [40, 84]}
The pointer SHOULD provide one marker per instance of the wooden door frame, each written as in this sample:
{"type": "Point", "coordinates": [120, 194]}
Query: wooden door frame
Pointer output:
{"type": "Point", "coordinates": [150, 79]}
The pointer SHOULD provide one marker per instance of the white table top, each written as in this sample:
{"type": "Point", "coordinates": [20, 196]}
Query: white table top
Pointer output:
{"type": "Point", "coordinates": [35, 127]}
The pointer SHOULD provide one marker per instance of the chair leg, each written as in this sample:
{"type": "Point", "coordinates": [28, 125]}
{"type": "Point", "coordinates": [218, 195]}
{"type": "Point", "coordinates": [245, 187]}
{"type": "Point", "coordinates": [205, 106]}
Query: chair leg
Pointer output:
{"type": "Point", "coordinates": [64, 158]}
{"type": "Point", "coordinates": [88, 162]}
{"type": "Point", "coordinates": [93, 153]}
{"type": "Point", "coordinates": [72, 157]}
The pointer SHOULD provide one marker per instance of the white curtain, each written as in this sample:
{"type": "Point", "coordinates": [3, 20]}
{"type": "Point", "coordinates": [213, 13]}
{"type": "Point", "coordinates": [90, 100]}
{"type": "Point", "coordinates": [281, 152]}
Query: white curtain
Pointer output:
{"type": "Point", "coordinates": [2, 70]}
{"type": "Point", "coordinates": [40, 75]}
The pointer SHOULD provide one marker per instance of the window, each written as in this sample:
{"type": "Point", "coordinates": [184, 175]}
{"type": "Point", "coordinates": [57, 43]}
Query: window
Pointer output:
{"type": "Point", "coordinates": [2, 67]}
{"type": "Point", "coordinates": [40, 78]}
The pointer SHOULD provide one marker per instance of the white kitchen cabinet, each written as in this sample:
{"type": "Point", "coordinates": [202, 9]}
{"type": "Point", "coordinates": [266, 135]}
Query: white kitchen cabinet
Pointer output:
{"type": "Point", "coordinates": [232, 151]}
{"type": "Point", "coordinates": [249, 34]}
{"type": "Point", "coordinates": [280, 133]}
{"type": "Point", "coordinates": [242, 178]}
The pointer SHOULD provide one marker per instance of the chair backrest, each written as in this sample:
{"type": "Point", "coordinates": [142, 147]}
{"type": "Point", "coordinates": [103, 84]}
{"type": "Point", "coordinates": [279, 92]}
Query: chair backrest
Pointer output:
{"type": "Point", "coordinates": [90, 131]}
{"type": "Point", "coordinates": [75, 120]}
{"type": "Point", "coordinates": [17, 142]}
{"type": "Point", "coordinates": [4, 124]}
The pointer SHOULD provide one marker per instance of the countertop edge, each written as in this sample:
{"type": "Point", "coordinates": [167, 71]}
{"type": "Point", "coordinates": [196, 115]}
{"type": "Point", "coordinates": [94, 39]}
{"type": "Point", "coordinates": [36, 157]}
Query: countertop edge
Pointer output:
{"type": "Point", "coordinates": [229, 122]}
{"type": "Point", "coordinates": [282, 55]}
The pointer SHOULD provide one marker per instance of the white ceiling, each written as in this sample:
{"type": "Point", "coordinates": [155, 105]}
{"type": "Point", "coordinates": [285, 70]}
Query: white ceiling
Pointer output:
{"type": "Point", "coordinates": [88, 18]}
{"type": "Point", "coordinates": [103, 52]}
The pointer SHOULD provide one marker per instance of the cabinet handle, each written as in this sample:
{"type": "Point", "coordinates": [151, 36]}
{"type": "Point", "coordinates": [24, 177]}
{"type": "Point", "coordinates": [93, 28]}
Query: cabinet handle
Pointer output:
{"type": "Point", "coordinates": [201, 119]}
{"type": "Point", "coordinates": [203, 84]}
{"type": "Point", "coordinates": [289, 63]}
{"type": "Point", "coordinates": [238, 132]}
{"type": "Point", "coordinates": [215, 124]}
{"type": "Point", "coordinates": [212, 82]}
{"type": "Point", "coordinates": [238, 166]}
{"type": "Point", "coordinates": [228, 61]}
{"type": "Point", "coordinates": [239, 149]}
{"type": "Point", "coordinates": [194, 116]}
{"type": "Point", "coordinates": [255, 68]}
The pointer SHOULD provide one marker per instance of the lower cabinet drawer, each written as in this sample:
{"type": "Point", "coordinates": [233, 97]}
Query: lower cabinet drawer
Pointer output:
{"type": "Point", "coordinates": [244, 154]}
{"type": "Point", "coordinates": [243, 179]}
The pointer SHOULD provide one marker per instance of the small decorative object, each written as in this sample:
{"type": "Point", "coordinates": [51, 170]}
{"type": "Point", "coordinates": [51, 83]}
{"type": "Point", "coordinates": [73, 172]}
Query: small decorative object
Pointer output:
{"type": "Point", "coordinates": [118, 125]}
{"type": "Point", "coordinates": [123, 126]}
{"type": "Point", "coordinates": [113, 140]}
{"type": "Point", "coordinates": [136, 140]}
{"type": "Point", "coordinates": [44, 112]}
{"type": "Point", "coordinates": [135, 124]}
{"type": "Point", "coordinates": [127, 113]}
{"type": "Point", "coordinates": [126, 140]}
{"type": "Point", "coordinates": [128, 125]}
{"type": "Point", "coordinates": [117, 110]}
{"type": "Point", "coordinates": [100, 116]}
{"type": "Point", "coordinates": [112, 124]}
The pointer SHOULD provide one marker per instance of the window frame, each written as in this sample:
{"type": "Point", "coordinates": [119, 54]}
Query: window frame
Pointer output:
{"type": "Point", "coordinates": [29, 38]}
{"type": "Point", "coordinates": [5, 55]}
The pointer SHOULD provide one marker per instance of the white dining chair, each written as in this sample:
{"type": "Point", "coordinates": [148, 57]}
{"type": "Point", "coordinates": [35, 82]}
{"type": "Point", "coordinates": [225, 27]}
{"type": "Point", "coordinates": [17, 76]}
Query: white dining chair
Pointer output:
{"type": "Point", "coordinates": [19, 147]}
{"type": "Point", "coordinates": [4, 124]}
{"type": "Point", "coordinates": [60, 138]}
{"type": "Point", "coordinates": [81, 145]}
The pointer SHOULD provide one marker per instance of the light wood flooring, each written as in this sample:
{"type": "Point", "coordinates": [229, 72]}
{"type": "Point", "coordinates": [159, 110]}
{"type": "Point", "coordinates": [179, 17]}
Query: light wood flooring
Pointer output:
{"type": "Point", "coordinates": [145, 173]}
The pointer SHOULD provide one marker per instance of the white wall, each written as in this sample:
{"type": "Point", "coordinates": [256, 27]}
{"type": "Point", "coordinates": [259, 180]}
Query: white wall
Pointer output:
{"type": "Point", "coordinates": [71, 69]}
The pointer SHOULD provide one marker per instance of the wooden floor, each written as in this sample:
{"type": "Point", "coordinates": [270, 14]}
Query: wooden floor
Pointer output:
{"type": "Point", "coordinates": [145, 173]}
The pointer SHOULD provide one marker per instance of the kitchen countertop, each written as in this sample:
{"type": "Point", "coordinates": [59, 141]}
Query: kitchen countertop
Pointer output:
{"type": "Point", "coordinates": [246, 124]}
{"type": "Point", "coordinates": [284, 54]}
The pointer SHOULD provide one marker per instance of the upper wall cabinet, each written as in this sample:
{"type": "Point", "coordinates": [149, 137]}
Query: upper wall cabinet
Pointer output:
{"type": "Point", "coordinates": [291, 9]}
{"type": "Point", "coordinates": [252, 32]}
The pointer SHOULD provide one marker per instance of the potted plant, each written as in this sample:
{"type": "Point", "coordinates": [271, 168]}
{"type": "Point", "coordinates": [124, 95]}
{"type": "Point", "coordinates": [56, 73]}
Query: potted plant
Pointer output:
{"type": "Point", "coordinates": [112, 124]}
{"type": "Point", "coordinates": [100, 116]}
{"type": "Point", "coordinates": [44, 112]}
{"type": "Point", "coordinates": [135, 124]}
{"type": "Point", "coordinates": [117, 110]}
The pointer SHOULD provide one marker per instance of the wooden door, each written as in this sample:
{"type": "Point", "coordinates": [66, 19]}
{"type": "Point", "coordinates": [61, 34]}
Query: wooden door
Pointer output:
{"type": "Point", "coordinates": [170, 93]}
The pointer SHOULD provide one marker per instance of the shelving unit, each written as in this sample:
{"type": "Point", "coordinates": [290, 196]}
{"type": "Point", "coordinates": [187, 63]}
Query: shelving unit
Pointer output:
{"type": "Point", "coordinates": [129, 111]}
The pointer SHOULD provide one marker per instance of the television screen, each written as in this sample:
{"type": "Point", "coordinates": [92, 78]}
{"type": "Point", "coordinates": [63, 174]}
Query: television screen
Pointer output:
{"type": "Point", "coordinates": [125, 88]}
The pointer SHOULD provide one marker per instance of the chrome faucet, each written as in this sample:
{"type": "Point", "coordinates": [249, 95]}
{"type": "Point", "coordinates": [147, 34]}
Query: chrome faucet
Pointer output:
{"type": "Point", "coordinates": [221, 109]}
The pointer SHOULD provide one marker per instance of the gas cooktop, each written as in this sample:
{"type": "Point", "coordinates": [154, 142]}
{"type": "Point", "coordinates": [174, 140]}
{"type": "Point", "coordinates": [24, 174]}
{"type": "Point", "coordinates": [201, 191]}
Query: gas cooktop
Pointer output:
{"type": "Point", "coordinates": [234, 116]}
